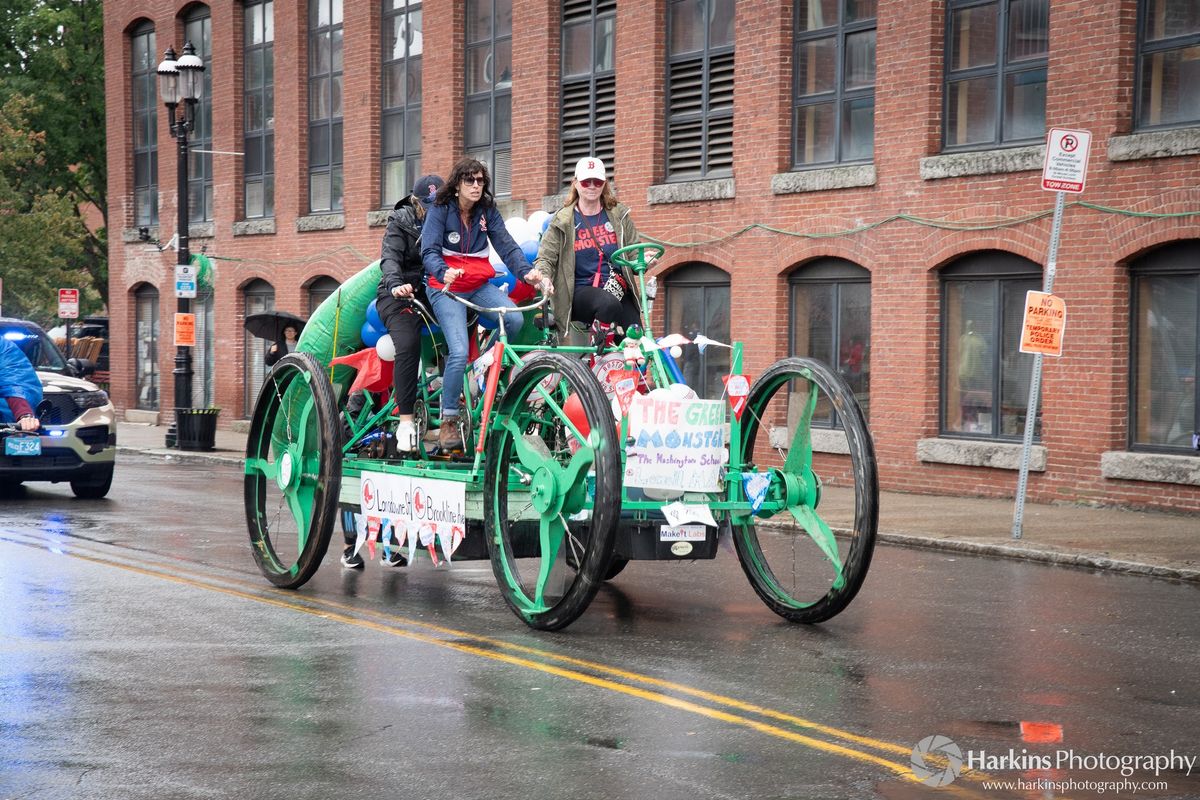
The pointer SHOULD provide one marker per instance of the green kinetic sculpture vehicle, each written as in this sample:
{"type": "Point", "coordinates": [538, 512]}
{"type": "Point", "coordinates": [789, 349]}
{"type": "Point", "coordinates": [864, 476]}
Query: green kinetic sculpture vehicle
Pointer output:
{"type": "Point", "coordinates": [567, 476]}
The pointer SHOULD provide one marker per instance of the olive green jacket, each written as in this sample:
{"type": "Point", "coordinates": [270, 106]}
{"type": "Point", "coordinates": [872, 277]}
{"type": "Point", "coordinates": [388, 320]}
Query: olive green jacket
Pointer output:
{"type": "Point", "coordinates": [556, 259]}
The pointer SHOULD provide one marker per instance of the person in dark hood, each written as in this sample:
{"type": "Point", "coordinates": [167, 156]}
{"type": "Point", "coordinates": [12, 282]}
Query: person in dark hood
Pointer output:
{"type": "Point", "coordinates": [20, 387]}
{"type": "Point", "coordinates": [403, 280]}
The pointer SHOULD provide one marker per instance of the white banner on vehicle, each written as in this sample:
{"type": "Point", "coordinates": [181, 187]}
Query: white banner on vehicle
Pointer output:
{"type": "Point", "coordinates": [678, 443]}
{"type": "Point", "coordinates": [418, 508]}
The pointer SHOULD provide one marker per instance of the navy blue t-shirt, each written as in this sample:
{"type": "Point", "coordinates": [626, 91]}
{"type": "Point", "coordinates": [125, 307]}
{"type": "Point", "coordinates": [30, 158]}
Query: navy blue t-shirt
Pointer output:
{"type": "Point", "coordinates": [595, 242]}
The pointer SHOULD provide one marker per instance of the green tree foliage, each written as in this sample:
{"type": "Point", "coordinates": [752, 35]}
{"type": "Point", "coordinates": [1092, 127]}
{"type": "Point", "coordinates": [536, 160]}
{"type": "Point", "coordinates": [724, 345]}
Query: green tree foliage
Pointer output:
{"type": "Point", "coordinates": [52, 154]}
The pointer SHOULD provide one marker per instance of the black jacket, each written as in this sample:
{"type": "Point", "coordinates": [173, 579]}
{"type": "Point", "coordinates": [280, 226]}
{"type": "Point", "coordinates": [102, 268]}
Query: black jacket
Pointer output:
{"type": "Point", "coordinates": [400, 261]}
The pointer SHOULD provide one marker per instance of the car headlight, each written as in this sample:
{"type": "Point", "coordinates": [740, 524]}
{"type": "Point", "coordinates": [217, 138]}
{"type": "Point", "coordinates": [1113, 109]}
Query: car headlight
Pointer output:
{"type": "Point", "coordinates": [94, 399]}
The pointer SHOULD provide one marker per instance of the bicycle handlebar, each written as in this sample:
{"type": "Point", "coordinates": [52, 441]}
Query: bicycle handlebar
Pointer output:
{"type": "Point", "coordinates": [497, 310]}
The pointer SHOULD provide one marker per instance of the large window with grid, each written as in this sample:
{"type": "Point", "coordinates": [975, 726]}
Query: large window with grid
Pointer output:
{"type": "Point", "coordinates": [1165, 397]}
{"type": "Point", "coordinates": [834, 82]}
{"type": "Point", "coordinates": [1168, 64]}
{"type": "Point", "coordinates": [259, 98]}
{"type": "Point", "coordinates": [258, 297]}
{"type": "Point", "coordinates": [699, 89]}
{"type": "Point", "coordinates": [995, 72]}
{"type": "Point", "coordinates": [831, 322]}
{"type": "Point", "coordinates": [697, 297]}
{"type": "Point", "coordinates": [401, 119]}
{"type": "Point", "coordinates": [488, 126]}
{"type": "Point", "coordinates": [324, 105]}
{"type": "Point", "coordinates": [589, 83]}
{"type": "Point", "coordinates": [197, 29]}
{"type": "Point", "coordinates": [145, 379]}
{"type": "Point", "coordinates": [985, 377]}
{"type": "Point", "coordinates": [144, 91]}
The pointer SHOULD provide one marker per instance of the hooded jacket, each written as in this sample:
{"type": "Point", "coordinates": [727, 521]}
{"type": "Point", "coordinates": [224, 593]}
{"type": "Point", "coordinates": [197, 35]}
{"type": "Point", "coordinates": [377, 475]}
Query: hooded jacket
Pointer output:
{"type": "Point", "coordinates": [400, 260]}
{"type": "Point", "coordinates": [556, 259]}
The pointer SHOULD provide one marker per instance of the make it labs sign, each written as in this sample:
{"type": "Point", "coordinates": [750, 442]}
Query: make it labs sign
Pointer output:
{"type": "Point", "coordinates": [1065, 168]}
{"type": "Point", "coordinates": [677, 443]}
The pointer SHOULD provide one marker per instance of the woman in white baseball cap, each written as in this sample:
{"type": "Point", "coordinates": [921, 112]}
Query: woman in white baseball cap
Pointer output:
{"type": "Point", "coordinates": [576, 255]}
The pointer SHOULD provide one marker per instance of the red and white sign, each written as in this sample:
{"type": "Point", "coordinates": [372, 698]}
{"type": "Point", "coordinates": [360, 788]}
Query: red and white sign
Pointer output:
{"type": "Point", "coordinates": [737, 389]}
{"type": "Point", "coordinates": [68, 304]}
{"type": "Point", "coordinates": [1065, 168]}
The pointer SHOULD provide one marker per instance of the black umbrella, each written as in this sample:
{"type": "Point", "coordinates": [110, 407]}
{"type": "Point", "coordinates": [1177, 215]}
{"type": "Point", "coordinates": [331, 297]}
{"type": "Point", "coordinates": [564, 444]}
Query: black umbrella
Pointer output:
{"type": "Point", "coordinates": [269, 325]}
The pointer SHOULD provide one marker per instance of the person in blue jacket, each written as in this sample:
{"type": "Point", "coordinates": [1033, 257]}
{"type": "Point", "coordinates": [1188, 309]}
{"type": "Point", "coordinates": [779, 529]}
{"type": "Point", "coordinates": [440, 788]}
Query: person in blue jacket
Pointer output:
{"type": "Point", "coordinates": [19, 387]}
{"type": "Point", "coordinates": [454, 251]}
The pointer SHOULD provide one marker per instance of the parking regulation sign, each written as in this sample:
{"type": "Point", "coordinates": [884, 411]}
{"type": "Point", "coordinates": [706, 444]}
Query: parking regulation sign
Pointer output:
{"type": "Point", "coordinates": [185, 280]}
{"type": "Point", "coordinates": [68, 304]}
{"type": "Point", "coordinates": [1065, 168]}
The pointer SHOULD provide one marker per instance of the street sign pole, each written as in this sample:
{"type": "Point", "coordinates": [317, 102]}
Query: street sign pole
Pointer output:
{"type": "Point", "coordinates": [1064, 170]}
{"type": "Point", "coordinates": [1035, 382]}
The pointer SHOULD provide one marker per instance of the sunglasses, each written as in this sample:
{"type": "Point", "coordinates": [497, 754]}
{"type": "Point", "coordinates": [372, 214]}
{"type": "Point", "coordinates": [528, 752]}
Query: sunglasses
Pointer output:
{"type": "Point", "coordinates": [591, 183]}
{"type": "Point", "coordinates": [475, 180]}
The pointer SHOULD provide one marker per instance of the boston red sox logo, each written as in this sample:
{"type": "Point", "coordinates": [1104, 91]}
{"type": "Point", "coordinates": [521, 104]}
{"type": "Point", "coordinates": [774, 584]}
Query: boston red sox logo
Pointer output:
{"type": "Point", "coordinates": [368, 494]}
{"type": "Point", "coordinates": [418, 503]}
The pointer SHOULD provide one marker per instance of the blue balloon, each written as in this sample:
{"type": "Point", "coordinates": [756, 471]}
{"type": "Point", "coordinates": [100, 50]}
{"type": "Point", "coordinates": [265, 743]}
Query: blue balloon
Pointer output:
{"type": "Point", "coordinates": [430, 328]}
{"type": "Point", "coordinates": [370, 334]}
{"type": "Point", "coordinates": [487, 323]}
{"type": "Point", "coordinates": [546, 223]}
{"type": "Point", "coordinates": [530, 249]}
{"type": "Point", "coordinates": [504, 279]}
{"type": "Point", "coordinates": [373, 317]}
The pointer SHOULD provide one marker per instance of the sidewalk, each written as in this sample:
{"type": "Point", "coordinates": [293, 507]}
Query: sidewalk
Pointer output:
{"type": "Point", "coordinates": [1137, 542]}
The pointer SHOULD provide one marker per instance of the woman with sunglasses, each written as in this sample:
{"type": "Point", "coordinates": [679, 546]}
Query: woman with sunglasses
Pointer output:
{"type": "Point", "coordinates": [575, 254]}
{"type": "Point", "coordinates": [454, 250]}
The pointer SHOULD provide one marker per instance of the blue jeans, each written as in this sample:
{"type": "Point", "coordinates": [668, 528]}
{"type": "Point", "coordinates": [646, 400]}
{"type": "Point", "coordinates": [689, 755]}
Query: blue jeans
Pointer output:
{"type": "Point", "coordinates": [452, 318]}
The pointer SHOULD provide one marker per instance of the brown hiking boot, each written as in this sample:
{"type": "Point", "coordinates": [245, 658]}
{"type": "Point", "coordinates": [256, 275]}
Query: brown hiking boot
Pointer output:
{"type": "Point", "coordinates": [449, 439]}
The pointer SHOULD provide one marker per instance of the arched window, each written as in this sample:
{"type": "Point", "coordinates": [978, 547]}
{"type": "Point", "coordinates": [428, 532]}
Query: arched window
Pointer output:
{"type": "Point", "coordinates": [318, 290]}
{"type": "Point", "coordinates": [697, 297]}
{"type": "Point", "coordinates": [1165, 402]}
{"type": "Point", "coordinates": [144, 90]}
{"type": "Point", "coordinates": [259, 296]}
{"type": "Point", "coordinates": [197, 29]}
{"type": "Point", "coordinates": [985, 377]}
{"type": "Point", "coordinates": [831, 321]}
{"type": "Point", "coordinates": [203, 354]}
{"type": "Point", "coordinates": [145, 378]}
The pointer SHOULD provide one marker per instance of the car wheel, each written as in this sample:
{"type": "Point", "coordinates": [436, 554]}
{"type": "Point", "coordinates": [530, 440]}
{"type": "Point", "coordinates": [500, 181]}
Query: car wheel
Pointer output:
{"type": "Point", "coordinates": [94, 487]}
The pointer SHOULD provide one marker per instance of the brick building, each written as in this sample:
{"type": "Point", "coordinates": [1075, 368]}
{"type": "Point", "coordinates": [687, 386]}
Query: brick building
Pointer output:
{"type": "Point", "coordinates": [838, 178]}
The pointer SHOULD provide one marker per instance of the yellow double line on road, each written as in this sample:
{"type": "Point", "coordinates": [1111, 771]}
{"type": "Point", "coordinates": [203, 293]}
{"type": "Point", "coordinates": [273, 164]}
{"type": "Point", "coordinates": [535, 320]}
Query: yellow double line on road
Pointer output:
{"type": "Point", "coordinates": [598, 675]}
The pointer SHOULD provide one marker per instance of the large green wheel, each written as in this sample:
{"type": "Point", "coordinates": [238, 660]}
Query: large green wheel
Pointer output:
{"type": "Point", "coordinates": [293, 470]}
{"type": "Point", "coordinates": [808, 563]}
{"type": "Point", "coordinates": [552, 498]}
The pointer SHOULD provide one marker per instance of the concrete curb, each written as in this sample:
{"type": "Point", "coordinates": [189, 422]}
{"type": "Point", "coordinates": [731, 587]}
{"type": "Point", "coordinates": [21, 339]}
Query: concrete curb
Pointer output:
{"type": "Point", "coordinates": [1080, 560]}
{"type": "Point", "coordinates": [177, 455]}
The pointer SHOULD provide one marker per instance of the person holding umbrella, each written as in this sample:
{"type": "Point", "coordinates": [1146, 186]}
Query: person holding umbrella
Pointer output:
{"type": "Point", "coordinates": [284, 345]}
{"type": "Point", "coordinates": [281, 327]}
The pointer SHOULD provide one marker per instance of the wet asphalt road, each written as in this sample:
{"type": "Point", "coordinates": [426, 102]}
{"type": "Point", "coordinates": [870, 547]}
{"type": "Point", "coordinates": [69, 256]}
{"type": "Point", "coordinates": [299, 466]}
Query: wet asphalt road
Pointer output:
{"type": "Point", "coordinates": [142, 656]}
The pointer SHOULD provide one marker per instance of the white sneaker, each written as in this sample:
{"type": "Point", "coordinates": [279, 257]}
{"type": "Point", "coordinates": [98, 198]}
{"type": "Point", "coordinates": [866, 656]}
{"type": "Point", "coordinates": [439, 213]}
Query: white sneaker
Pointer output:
{"type": "Point", "coordinates": [406, 437]}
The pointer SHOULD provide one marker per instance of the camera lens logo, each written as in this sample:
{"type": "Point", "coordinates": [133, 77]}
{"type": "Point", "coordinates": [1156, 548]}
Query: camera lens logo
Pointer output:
{"type": "Point", "coordinates": [943, 750]}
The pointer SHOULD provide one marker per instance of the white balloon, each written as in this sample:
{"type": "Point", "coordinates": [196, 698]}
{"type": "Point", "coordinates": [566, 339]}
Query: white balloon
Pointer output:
{"type": "Point", "coordinates": [519, 229]}
{"type": "Point", "coordinates": [536, 220]}
{"type": "Point", "coordinates": [386, 348]}
{"type": "Point", "coordinates": [493, 256]}
{"type": "Point", "coordinates": [676, 351]}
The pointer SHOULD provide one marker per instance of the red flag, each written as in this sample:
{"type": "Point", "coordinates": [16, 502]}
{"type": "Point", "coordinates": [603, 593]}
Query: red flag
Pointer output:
{"type": "Point", "coordinates": [372, 374]}
{"type": "Point", "coordinates": [737, 387]}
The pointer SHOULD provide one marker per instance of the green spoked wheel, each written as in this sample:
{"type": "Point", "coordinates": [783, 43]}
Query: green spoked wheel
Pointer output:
{"type": "Point", "coordinates": [293, 470]}
{"type": "Point", "coordinates": [551, 490]}
{"type": "Point", "coordinates": [809, 558]}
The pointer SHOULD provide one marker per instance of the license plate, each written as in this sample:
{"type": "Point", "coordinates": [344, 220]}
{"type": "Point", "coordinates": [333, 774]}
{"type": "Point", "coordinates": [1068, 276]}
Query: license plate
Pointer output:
{"type": "Point", "coordinates": [681, 533]}
{"type": "Point", "coordinates": [22, 446]}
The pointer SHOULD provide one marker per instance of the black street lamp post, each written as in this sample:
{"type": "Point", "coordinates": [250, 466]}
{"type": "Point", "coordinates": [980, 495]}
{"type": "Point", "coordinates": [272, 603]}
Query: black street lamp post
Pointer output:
{"type": "Point", "coordinates": [181, 80]}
